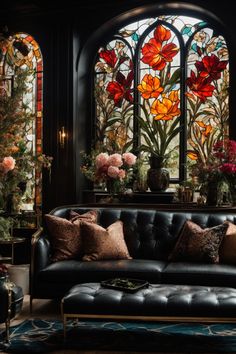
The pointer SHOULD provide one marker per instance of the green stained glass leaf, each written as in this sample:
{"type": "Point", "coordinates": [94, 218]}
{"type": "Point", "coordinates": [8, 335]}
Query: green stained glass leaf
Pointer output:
{"type": "Point", "coordinates": [135, 37]}
{"type": "Point", "coordinates": [113, 121]}
{"type": "Point", "coordinates": [194, 47]}
{"type": "Point", "coordinates": [187, 29]}
{"type": "Point", "coordinates": [175, 77]}
{"type": "Point", "coordinates": [201, 24]}
{"type": "Point", "coordinates": [128, 145]}
{"type": "Point", "coordinates": [219, 45]}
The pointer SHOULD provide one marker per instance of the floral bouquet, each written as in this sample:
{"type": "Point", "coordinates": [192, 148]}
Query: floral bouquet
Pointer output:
{"type": "Point", "coordinates": [225, 153]}
{"type": "Point", "coordinates": [220, 167]}
{"type": "Point", "coordinates": [113, 171]}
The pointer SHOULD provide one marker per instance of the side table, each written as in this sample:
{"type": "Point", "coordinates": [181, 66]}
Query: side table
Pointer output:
{"type": "Point", "coordinates": [11, 241]}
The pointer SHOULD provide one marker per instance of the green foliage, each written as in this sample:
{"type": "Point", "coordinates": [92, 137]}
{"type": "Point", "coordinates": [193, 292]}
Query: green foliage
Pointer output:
{"type": "Point", "coordinates": [15, 116]}
{"type": "Point", "coordinates": [5, 227]}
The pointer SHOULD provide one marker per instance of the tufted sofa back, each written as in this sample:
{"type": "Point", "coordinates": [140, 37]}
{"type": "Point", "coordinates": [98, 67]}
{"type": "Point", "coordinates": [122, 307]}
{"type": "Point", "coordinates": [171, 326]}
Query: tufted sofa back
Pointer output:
{"type": "Point", "coordinates": [149, 234]}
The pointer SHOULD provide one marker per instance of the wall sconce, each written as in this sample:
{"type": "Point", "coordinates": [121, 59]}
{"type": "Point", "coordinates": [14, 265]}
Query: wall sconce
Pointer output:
{"type": "Point", "coordinates": [62, 137]}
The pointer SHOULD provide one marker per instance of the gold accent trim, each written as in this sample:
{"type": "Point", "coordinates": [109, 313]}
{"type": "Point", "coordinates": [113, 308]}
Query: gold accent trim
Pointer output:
{"type": "Point", "coordinates": [8, 319]}
{"type": "Point", "coordinates": [34, 239]}
{"type": "Point", "coordinates": [156, 318]}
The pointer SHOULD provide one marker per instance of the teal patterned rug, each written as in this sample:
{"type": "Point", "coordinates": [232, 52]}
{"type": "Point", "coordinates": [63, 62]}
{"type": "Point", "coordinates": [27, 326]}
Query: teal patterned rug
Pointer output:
{"type": "Point", "coordinates": [40, 336]}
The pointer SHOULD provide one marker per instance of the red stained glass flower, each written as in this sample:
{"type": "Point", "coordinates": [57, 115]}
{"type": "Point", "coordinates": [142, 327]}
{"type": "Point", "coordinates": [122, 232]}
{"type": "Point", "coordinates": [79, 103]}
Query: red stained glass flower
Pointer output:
{"type": "Point", "coordinates": [121, 89]}
{"type": "Point", "coordinates": [211, 66]}
{"type": "Point", "coordinates": [200, 86]}
{"type": "Point", "coordinates": [155, 53]}
{"type": "Point", "coordinates": [109, 56]}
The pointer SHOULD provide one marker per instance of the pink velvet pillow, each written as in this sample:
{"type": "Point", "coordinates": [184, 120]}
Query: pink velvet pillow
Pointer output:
{"type": "Point", "coordinates": [65, 235]}
{"type": "Point", "coordinates": [100, 243]}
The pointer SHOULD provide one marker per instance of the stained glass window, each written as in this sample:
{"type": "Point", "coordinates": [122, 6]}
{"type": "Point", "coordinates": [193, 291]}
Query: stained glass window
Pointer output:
{"type": "Point", "coordinates": [161, 87]}
{"type": "Point", "coordinates": [21, 51]}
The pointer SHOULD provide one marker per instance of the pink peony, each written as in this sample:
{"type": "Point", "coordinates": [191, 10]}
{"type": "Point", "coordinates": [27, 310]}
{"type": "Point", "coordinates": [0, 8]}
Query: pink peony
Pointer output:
{"type": "Point", "coordinates": [113, 172]}
{"type": "Point", "coordinates": [8, 164]}
{"type": "Point", "coordinates": [101, 159]}
{"type": "Point", "coordinates": [115, 160]}
{"type": "Point", "coordinates": [129, 158]}
{"type": "Point", "coordinates": [122, 173]}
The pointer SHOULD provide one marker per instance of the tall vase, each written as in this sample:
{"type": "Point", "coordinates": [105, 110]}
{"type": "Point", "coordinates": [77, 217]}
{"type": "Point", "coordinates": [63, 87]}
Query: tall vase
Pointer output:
{"type": "Point", "coordinates": [214, 193]}
{"type": "Point", "coordinates": [158, 177]}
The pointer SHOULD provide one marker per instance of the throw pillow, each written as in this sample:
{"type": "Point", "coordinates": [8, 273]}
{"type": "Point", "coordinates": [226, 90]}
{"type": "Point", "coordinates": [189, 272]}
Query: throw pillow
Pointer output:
{"type": "Point", "coordinates": [198, 245]}
{"type": "Point", "coordinates": [90, 216]}
{"type": "Point", "coordinates": [66, 235]}
{"type": "Point", "coordinates": [228, 246]}
{"type": "Point", "coordinates": [100, 243]}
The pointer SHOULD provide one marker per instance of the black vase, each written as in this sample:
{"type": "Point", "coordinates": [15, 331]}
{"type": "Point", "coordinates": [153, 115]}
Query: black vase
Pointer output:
{"type": "Point", "coordinates": [158, 177]}
{"type": "Point", "coordinates": [214, 194]}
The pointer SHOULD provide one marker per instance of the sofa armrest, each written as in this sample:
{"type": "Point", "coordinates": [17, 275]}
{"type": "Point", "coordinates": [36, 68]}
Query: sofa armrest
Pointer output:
{"type": "Point", "coordinates": [40, 251]}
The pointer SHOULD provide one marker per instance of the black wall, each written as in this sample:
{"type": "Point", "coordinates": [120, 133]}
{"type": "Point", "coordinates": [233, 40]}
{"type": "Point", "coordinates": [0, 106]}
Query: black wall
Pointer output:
{"type": "Point", "coordinates": [62, 32]}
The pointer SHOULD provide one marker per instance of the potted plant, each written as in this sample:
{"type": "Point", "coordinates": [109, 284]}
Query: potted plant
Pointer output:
{"type": "Point", "coordinates": [157, 137]}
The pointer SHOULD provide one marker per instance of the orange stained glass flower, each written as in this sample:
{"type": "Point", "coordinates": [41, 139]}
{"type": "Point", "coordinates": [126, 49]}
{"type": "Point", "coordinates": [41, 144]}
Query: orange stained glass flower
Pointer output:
{"type": "Point", "coordinates": [192, 155]}
{"type": "Point", "coordinates": [166, 109]}
{"type": "Point", "coordinates": [155, 53]}
{"type": "Point", "coordinates": [206, 128]}
{"type": "Point", "coordinates": [150, 86]}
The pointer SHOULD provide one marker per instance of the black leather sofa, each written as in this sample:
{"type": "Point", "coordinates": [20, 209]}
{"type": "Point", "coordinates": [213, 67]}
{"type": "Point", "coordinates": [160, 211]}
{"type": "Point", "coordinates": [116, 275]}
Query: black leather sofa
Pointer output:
{"type": "Point", "coordinates": [150, 236]}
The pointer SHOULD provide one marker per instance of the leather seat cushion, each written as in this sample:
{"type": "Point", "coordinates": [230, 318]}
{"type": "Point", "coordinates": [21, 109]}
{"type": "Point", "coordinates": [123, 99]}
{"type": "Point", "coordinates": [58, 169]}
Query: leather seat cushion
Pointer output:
{"type": "Point", "coordinates": [72, 271]}
{"type": "Point", "coordinates": [156, 300]}
{"type": "Point", "coordinates": [198, 273]}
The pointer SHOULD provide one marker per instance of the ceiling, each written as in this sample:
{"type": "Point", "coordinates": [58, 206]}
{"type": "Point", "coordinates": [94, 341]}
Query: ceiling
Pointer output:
{"type": "Point", "coordinates": [36, 7]}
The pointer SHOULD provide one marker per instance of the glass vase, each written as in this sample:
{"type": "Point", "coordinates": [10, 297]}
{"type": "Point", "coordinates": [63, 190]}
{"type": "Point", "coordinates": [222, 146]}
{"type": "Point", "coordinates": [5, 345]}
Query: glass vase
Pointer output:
{"type": "Point", "coordinates": [113, 189]}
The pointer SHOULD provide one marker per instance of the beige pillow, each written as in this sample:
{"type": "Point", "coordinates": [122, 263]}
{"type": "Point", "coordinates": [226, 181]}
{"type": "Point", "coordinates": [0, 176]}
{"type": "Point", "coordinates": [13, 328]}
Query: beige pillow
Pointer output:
{"type": "Point", "coordinates": [100, 243]}
{"type": "Point", "coordinates": [65, 235]}
{"type": "Point", "coordinates": [198, 245]}
{"type": "Point", "coordinates": [228, 247]}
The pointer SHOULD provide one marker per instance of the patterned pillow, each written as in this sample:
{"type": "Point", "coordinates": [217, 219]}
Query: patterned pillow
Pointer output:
{"type": "Point", "coordinates": [227, 250]}
{"type": "Point", "coordinates": [92, 214]}
{"type": "Point", "coordinates": [100, 243]}
{"type": "Point", "coordinates": [65, 235]}
{"type": "Point", "coordinates": [198, 245]}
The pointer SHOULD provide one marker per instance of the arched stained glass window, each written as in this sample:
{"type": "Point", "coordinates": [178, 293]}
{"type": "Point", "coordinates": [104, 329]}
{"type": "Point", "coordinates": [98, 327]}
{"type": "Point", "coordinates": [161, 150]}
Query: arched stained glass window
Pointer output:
{"type": "Point", "coordinates": [161, 87]}
{"type": "Point", "coordinates": [21, 53]}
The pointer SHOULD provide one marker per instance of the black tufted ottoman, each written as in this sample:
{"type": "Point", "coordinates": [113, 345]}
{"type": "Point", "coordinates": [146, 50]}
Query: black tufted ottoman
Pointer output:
{"type": "Point", "coordinates": [159, 302]}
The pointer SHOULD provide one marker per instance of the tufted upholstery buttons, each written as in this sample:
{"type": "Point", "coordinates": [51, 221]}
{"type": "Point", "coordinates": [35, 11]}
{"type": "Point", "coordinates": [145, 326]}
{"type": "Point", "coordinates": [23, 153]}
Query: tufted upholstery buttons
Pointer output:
{"type": "Point", "coordinates": [156, 300]}
{"type": "Point", "coordinates": [150, 234]}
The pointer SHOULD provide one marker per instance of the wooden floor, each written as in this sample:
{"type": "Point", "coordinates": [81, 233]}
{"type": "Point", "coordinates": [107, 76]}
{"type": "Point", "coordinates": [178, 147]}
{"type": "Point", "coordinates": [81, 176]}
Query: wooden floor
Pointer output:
{"type": "Point", "coordinates": [48, 309]}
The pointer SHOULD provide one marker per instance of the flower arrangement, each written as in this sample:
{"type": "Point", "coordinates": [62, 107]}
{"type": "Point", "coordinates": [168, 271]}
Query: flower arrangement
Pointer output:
{"type": "Point", "coordinates": [113, 171]}
{"type": "Point", "coordinates": [220, 167]}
